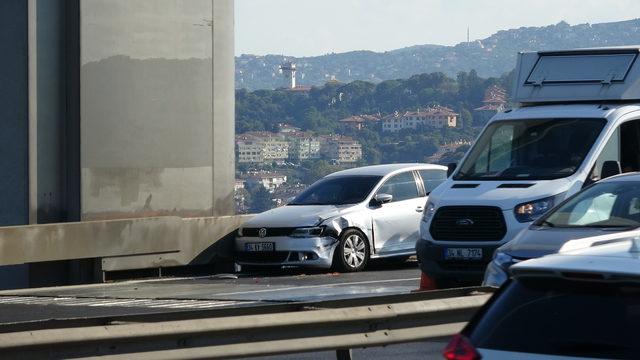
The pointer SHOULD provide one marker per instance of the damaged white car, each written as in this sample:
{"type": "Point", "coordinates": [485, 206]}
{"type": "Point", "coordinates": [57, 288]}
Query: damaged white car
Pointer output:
{"type": "Point", "coordinates": [343, 220]}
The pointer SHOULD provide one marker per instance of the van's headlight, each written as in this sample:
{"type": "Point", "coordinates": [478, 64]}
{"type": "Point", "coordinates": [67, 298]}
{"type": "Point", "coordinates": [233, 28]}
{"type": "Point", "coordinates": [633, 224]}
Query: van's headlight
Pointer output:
{"type": "Point", "coordinates": [429, 211]}
{"type": "Point", "coordinates": [532, 210]}
{"type": "Point", "coordinates": [308, 232]}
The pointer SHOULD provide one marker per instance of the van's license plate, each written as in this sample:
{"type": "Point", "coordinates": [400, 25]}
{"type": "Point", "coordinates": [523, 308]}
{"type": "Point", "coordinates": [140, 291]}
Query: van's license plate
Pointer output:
{"type": "Point", "coordinates": [260, 246]}
{"type": "Point", "coordinates": [463, 253]}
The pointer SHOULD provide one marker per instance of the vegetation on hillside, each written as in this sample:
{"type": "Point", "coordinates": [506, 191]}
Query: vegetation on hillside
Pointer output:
{"type": "Point", "coordinates": [492, 56]}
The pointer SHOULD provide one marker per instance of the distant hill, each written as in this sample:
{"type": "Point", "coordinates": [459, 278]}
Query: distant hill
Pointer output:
{"type": "Point", "coordinates": [490, 57]}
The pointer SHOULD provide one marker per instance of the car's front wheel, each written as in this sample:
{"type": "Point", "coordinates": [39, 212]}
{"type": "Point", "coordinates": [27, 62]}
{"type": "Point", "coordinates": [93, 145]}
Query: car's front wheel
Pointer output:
{"type": "Point", "coordinates": [352, 253]}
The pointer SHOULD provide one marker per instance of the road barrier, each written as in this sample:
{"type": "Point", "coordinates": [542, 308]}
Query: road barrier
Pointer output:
{"type": "Point", "coordinates": [414, 317]}
{"type": "Point", "coordinates": [122, 244]}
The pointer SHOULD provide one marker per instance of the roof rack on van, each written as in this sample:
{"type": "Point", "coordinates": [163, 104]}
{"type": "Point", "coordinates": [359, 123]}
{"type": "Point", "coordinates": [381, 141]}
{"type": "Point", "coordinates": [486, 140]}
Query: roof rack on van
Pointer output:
{"type": "Point", "coordinates": [581, 75]}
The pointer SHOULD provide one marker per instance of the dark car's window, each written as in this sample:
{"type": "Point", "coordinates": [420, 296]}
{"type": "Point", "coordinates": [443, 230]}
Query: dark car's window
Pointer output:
{"type": "Point", "coordinates": [432, 178]}
{"type": "Point", "coordinates": [562, 317]}
{"type": "Point", "coordinates": [337, 190]}
{"type": "Point", "coordinates": [532, 149]}
{"type": "Point", "coordinates": [604, 205]}
{"type": "Point", "coordinates": [401, 187]}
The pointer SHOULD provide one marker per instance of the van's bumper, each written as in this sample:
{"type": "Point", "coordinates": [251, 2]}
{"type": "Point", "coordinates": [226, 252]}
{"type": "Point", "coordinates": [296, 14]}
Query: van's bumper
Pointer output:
{"type": "Point", "coordinates": [432, 261]}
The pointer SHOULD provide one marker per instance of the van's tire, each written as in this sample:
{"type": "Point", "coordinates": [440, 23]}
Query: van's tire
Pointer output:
{"type": "Point", "coordinates": [352, 252]}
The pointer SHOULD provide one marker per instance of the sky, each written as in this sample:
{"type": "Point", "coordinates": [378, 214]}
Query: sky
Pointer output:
{"type": "Point", "coordinates": [316, 27]}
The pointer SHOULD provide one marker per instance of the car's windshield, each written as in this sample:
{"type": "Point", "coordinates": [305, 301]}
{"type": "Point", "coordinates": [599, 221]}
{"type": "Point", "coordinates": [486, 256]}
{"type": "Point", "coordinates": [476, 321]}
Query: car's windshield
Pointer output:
{"type": "Point", "coordinates": [605, 205]}
{"type": "Point", "coordinates": [561, 317]}
{"type": "Point", "coordinates": [337, 190]}
{"type": "Point", "coordinates": [534, 149]}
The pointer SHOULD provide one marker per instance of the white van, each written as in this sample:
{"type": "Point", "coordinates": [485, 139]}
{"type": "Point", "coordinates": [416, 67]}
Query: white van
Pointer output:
{"type": "Point", "coordinates": [578, 122]}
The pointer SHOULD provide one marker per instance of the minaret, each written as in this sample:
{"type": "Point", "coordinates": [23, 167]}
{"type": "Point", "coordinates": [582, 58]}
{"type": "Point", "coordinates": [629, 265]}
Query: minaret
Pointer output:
{"type": "Point", "coordinates": [288, 70]}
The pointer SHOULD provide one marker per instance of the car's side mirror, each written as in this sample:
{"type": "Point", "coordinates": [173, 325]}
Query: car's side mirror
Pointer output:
{"type": "Point", "coordinates": [610, 168]}
{"type": "Point", "coordinates": [380, 199]}
{"type": "Point", "coordinates": [451, 167]}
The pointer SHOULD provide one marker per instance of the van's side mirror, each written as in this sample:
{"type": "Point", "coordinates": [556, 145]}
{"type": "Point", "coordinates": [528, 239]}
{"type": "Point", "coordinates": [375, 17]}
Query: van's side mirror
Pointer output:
{"type": "Point", "coordinates": [451, 167]}
{"type": "Point", "coordinates": [610, 168]}
{"type": "Point", "coordinates": [379, 199]}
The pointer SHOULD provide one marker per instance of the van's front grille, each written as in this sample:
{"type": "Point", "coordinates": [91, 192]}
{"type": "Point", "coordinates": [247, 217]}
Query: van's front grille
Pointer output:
{"type": "Point", "coordinates": [472, 223]}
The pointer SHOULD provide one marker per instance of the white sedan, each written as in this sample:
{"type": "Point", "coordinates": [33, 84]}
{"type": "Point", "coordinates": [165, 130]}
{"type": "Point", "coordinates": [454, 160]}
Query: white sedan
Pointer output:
{"type": "Point", "coordinates": [344, 219]}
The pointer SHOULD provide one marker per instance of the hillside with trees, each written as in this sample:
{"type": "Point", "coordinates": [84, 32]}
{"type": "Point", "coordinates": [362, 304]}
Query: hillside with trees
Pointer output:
{"type": "Point", "coordinates": [489, 57]}
{"type": "Point", "coordinates": [320, 110]}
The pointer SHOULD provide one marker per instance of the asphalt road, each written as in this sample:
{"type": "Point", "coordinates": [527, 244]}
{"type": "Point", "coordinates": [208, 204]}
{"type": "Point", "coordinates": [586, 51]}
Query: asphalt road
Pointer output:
{"type": "Point", "coordinates": [224, 291]}
{"type": "Point", "coordinates": [411, 351]}
{"type": "Point", "coordinates": [219, 291]}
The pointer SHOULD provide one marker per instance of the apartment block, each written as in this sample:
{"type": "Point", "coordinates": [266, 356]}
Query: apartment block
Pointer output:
{"type": "Point", "coordinates": [436, 117]}
{"type": "Point", "coordinates": [341, 149]}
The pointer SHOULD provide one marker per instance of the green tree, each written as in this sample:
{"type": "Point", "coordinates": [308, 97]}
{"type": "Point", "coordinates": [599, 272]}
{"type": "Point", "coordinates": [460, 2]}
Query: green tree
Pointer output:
{"type": "Point", "coordinates": [260, 199]}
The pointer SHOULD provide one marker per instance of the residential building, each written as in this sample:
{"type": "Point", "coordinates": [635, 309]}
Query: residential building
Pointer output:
{"type": "Point", "coordinates": [359, 122]}
{"type": "Point", "coordinates": [303, 146]}
{"type": "Point", "coordinates": [268, 180]}
{"type": "Point", "coordinates": [341, 149]}
{"type": "Point", "coordinates": [261, 147]}
{"type": "Point", "coordinates": [495, 100]}
{"type": "Point", "coordinates": [276, 148]}
{"type": "Point", "coordinates": [287, 128]}
{"type": "Point", "coordinates": [249, 149]}
{"type": "Point", "coordinates": [436, 117]}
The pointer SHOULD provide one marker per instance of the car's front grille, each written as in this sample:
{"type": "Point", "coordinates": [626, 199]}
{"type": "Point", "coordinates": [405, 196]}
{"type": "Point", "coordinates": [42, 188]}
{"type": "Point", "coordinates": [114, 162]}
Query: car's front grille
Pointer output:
{"type": "Point", "coordinates": [473, 223]}
{"type": "Point", "coordinates": [262, 256]}
{"type": "Point", "coordinates": [255, 232]}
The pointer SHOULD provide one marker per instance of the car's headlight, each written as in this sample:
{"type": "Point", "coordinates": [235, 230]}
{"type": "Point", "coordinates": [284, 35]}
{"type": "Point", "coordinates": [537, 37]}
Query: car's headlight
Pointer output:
{"type": "Point", "coordinates": [239, 233]}
{"type": "Point", "coordinates": [532, 210]}
{"type": "Point", "coordinates": [429, 211]}
{"type": "Point", "coordinates": [308, 232]}
{"type": "Point", "coordinates": [503, 260]}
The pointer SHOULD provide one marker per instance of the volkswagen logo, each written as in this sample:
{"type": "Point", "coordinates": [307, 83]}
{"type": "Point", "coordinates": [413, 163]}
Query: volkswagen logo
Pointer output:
{"type": "Point", "coordinates": [262, 232]}
{"type": "Point", "coordinates": [464, 222]}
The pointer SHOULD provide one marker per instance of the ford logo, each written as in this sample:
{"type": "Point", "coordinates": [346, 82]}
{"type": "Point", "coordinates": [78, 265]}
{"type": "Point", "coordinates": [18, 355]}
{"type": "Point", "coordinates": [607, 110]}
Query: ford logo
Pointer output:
{"type": "Point", "coordinates": [464, 222]}
{"type": "Point", "coordinates": [262, 232]}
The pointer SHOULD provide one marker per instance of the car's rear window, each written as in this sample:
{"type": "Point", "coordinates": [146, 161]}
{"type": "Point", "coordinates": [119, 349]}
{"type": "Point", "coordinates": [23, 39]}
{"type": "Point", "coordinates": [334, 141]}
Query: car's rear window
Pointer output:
{"type": "Point", "coordinates": [562, 317]}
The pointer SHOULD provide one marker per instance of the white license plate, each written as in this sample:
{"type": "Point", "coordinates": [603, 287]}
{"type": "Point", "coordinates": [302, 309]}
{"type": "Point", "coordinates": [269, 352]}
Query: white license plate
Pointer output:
{"type": "Point", "coordinates": [463, 253]}
{"type": "Point", "coordinates": [260, 246]}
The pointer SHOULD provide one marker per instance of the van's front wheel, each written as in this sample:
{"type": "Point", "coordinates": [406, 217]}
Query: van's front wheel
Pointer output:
{"type": "Point", "coordinates": [352, 253]}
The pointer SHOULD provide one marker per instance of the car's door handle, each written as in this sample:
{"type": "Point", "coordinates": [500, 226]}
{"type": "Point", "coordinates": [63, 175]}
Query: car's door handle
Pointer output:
{"type": "Point", "coordinates": [419, 209]}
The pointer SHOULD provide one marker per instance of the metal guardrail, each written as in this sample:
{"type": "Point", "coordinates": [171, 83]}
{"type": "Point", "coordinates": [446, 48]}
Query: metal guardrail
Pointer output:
{"type": "Point", "coordinates": [411, 318]}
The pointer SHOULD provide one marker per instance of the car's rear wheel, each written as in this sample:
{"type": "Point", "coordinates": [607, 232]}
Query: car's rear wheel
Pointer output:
{"type": "Point", "coordinates": [352, 253]}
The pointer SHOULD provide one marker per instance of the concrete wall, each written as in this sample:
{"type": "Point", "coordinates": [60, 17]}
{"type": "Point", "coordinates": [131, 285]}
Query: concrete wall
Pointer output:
{"type": "Point", "coordinates": [113, 109]}
{"type": "Point", "coordinates": [149, 86]}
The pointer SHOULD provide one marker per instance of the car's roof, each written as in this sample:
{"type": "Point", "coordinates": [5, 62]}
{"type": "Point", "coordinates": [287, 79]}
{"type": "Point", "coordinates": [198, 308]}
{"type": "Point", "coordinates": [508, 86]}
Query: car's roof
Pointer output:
{"type": "Point", "coordinates": [631, 176]}
{"type": "Point", "coordinates": [611, 260]}
{"type": "Point", "coordinates": [382, 170]}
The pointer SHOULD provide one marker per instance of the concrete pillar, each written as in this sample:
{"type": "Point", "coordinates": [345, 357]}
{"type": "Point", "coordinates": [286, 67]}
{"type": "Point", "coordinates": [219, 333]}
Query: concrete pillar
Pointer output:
{"type": "Point", "coordinates": [223, 108]}
{"type": "Point", "coordinates": [14, 135]}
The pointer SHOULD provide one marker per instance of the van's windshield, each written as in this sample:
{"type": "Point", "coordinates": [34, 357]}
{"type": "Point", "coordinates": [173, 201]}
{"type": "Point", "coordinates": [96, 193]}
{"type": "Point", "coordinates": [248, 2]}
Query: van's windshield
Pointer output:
{"type": "Point", "coordinates": [532, 149]}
